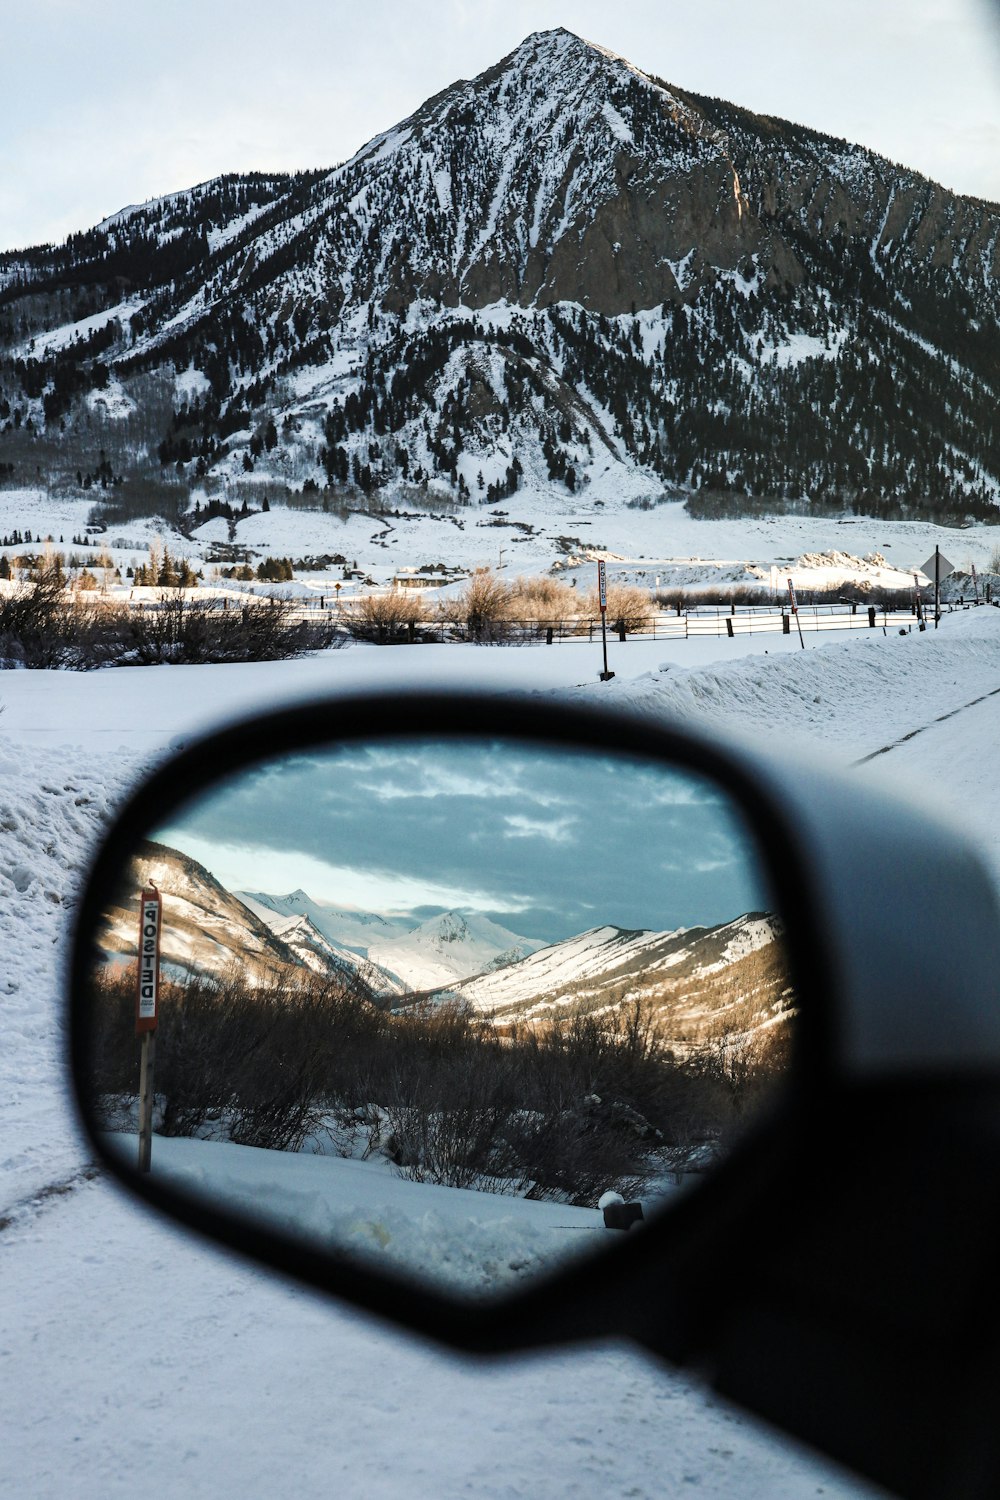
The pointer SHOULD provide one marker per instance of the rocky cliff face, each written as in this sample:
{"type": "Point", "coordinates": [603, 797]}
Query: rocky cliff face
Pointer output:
{"type": "Point", "coordinates": [563, 274]}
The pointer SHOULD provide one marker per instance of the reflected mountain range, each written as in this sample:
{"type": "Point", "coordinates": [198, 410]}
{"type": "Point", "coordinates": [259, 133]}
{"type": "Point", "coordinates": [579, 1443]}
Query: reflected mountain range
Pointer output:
{"type": "Point", "coordinates": [700, 980]}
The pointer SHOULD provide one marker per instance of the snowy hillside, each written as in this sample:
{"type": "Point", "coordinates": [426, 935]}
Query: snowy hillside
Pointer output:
{"type": "Point", "coordinates": [679, 973]}
{"type": "Point", "coordinates": [564, 277]}
{"type": "Point", "coordinates": [206, 930]}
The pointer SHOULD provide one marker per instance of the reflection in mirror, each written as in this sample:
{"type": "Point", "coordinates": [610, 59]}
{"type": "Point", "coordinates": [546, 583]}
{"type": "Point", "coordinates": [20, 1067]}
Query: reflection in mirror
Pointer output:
{"type": "Point", "coordinates": [439, 1003]}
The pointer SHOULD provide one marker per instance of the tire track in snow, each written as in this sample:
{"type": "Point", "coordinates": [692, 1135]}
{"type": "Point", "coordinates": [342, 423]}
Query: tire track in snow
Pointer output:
{"type": "Point", "coordinates": [46, 1197]}
{"type": "Point", "coordinates": [941, 719]}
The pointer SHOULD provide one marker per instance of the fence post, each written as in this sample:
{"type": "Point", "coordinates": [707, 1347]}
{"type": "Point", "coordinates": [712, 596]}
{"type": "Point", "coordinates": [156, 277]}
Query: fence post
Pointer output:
{"type": "Point", "coordinates": [729, 626]}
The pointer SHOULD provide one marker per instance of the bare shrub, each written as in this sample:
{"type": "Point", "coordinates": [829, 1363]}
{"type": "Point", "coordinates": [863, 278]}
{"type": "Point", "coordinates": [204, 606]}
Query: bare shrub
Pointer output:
{"type": "Point", "coordinates": [43, 626]}
{"type": "Point", "coordinates": [243, 1061]}
{"type": "Point", "coordinates": [586, 1103]}
{"type": "Point", "coordinates": [39, 627]}
{"type": "Point", "coordinates": [179, 629]}
{"type": "Point", "coordinates": [386, 618]}
{"type": "Point", "coordinates": [629, 607]}
{"type": "Point", "coordinates": [543, 600]}
{"type": "Point", "coordinates": [482, 611]}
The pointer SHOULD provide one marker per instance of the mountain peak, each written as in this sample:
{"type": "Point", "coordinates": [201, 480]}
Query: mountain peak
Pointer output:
{"type": "Point", "coordinates": [557, 277]}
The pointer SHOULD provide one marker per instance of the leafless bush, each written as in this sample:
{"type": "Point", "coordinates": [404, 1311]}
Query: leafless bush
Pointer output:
{"type": "Point", "coordinates": [629, 607]}
{"type": "Point", "coordinates": [482, 611]}
{"type": "Point", "coordinates": [245, 1061]}
{"type": "Point", "coordinates": [386, 618]}
{"type": "Point", "coordinates": [42, 626]}
{"type": "Point", "coordinates": [39, 627]}
{"type": "Point", "coordinates": [544, 600]}
{"type": "Point", "coordinates": [181, 629]}
{"type": "Point", "coordinates": [748, 597]}
{"type": "Point", "coordinates": [564, 1111]}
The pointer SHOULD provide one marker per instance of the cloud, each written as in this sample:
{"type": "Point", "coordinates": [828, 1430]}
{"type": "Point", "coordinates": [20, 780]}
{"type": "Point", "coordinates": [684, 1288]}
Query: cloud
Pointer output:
{"type": "Point", "coordinates": [556, 836]}
{"type": "Point", "coordinates": [516, 826]}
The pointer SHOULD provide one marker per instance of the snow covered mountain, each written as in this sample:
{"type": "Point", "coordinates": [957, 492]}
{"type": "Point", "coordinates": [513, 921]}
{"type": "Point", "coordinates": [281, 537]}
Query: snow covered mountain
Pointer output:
{"type": "Point", "coordinates": [563, 275]}
{"type": "Point", "coordinates": [401, 953]}
{"type": "Point", "coordinates": [693, 974]}
{"type": "Point", "coordinates": [694, 977]}
{"type": "Point", "coordinates": [345, 927]}
{"type": "Point", "coordinates": [451, 947]}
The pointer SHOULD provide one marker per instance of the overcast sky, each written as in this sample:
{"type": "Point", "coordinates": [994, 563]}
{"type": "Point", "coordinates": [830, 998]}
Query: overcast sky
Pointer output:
{"type": "Point", "coordinates": [110, 102]}
{"type": "Point", "coordinates": [549, 843]}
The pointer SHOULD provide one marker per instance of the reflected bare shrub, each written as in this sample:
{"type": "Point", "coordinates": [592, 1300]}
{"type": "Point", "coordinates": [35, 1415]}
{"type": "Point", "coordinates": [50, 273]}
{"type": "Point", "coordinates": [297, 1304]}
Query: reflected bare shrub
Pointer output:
{"type": "Point", "coordinates": [565, 1111]}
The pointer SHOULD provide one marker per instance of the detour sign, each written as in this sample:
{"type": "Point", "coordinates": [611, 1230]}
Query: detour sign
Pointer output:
{"type": "Point", "coordinates": [148, 983]}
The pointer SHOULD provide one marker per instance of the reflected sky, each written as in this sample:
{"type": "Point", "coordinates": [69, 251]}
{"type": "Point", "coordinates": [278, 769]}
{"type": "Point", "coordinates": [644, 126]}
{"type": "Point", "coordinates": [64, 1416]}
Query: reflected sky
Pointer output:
{"type": "Point", "coordinates": [548, 842]}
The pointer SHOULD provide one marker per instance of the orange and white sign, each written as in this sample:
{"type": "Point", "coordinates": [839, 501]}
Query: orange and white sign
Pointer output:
{"type": "Point", "coordinates": [148, 985]}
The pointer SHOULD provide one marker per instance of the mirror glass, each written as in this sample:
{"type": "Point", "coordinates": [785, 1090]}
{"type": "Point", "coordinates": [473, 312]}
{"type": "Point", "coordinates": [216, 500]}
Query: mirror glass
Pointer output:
{"type": "Point", "coordinates": [461, 1008]}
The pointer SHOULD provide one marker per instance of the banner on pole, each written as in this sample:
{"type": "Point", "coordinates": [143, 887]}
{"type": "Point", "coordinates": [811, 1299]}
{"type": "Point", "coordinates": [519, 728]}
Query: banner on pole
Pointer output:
{"type": "Point", "coordinates": [791, 595]}
{"type": "Point", "coordinates": [602, 586]}
{"type": "Point", "coordinates": [148, 981]}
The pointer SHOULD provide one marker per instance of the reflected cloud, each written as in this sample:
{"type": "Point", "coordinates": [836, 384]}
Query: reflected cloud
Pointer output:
{"type": "Point", "coordinates": [482, 826]}
{"type": "Point", "coordinates": [517, 826]}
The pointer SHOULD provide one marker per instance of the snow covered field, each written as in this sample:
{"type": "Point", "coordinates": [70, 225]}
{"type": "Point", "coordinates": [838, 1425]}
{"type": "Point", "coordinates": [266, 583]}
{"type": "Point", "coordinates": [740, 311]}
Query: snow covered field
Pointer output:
{"type": "Point", "coordinates": [131, 1356]}
{"type": "Point", "coordinates": [661, 548]}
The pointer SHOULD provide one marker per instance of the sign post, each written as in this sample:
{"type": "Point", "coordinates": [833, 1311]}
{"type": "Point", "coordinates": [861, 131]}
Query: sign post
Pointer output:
{"type": "Point", "coordinates": [795, 611]}
{"type": "Point", "coordinates": [146, 997]}
{"type": "Point", "coordinates": [918, 608]}
{"type": "Point", "coordinates": [602, 595]}
{"type": "Point", "coordinates": [937, 567]}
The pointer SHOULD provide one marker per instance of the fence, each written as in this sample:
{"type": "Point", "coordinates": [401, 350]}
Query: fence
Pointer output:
{"type": "Point", "coordinates": [662, 625]}
{"type": "Point", "coordinates": [701, 621]}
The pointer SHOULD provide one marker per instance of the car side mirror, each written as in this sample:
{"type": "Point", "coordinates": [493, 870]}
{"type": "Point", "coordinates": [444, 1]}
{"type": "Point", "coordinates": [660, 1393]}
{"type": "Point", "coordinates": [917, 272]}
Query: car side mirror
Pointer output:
{"type": "Point", "coordinates": [518, 1024]}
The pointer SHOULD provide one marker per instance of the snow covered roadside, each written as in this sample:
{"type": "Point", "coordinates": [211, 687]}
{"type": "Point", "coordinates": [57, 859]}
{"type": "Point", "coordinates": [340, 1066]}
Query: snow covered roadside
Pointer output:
{"type": "Point", "coordinates": [134, 1358]}
{"type": "Point", "coordinates": [132, 1355]}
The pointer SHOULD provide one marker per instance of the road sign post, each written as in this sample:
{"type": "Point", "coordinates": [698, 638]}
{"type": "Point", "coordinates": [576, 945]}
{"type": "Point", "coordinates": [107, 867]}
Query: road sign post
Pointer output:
{"type": "Point", "coordinates": [146, 999]}
{"type": "Point", "coordinates": [795, 611]}
{"type": "Point", "coordinates": [602, 596]}
{"type": "Point", "coordinates": [937, 567]}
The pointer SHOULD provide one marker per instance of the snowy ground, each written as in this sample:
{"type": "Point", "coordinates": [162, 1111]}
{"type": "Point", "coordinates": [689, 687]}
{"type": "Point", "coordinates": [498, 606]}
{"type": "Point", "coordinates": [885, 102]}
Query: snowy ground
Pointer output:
{"type": "Point", "coordinates": [131, 1356]}
{"type": "Point", "coordinates": [663, 547]}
